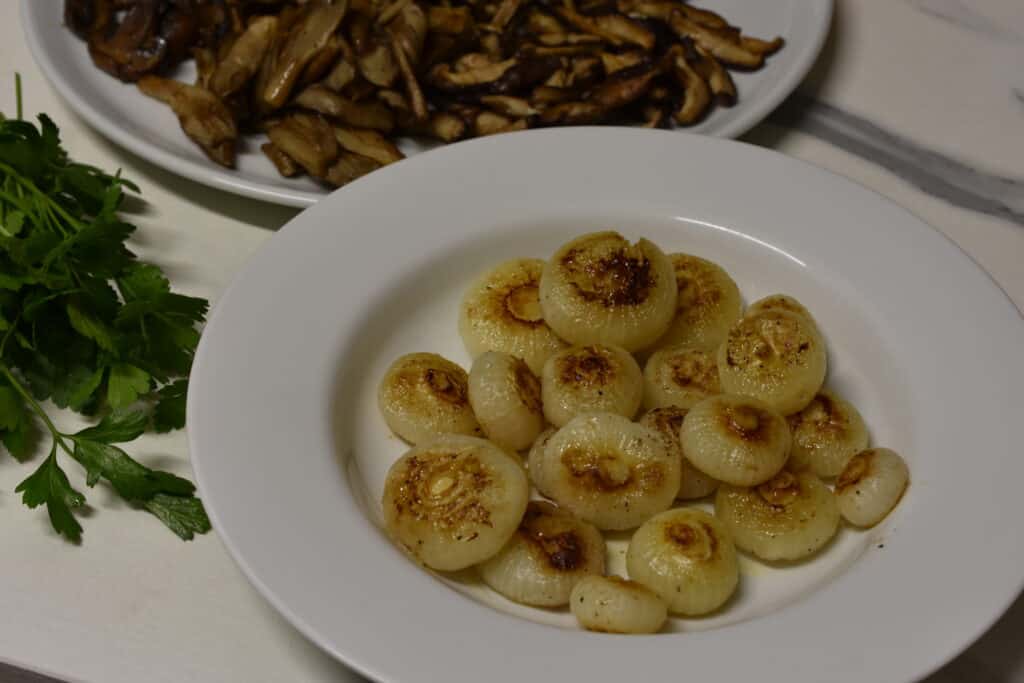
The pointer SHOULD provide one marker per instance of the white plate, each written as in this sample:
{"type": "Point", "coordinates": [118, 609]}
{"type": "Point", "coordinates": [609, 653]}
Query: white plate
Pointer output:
{"type": "Point", "coordinates": [149, 128]}
{"type": "Point", "coordinates": [289, 451]}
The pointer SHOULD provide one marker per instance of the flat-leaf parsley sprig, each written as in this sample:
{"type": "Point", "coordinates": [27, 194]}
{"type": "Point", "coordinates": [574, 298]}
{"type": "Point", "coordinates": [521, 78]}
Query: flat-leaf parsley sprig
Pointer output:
{"type": "Point", "coordinates": [88, 327]}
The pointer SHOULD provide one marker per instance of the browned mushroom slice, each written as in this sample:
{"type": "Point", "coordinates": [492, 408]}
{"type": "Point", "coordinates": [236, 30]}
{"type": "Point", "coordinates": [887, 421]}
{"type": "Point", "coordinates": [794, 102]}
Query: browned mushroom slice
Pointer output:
{"type": "Point", "coordinates": [571, 113]}
{"type": "Point", "coordinates": [506, 10]}
{"type": "Point", "coordinates": [377, 62]}
{"type": "Point", "coordinates": [409, 30]}
{"type": "Point", "coordinates": [203, 116]}
{"type": "Point", "coordinates": [617, 61]}
{"type": "Point", "coordinates": [417, 102]}
{"type": "Point", "coordinates": [206, 64]}
{"type": "Point", "coordinates": [718, 42]}
{"type": "Point", "coordinates": [323, 61]}
{"type": "Point", "coordinates": [566, 50]}
{"type": "Point", "coordinates": [348, 167]}
{"type": "Point", "coordinates": [471, 61]}
{"type": "Point", "coordinates": [369, 114]}
{"type": "Point", "coordinates": [621, 90]}
{"type": "Point", "coordinates": [444, 77]}
{"type": "Point", "coordinates": [540, 23]}
{"type": "Point", "coordinates": [696, 94]}
{"type": "Point", "coordinates": [659, 94]}
{"type": "Point", "coordinates": [762, 47]}
{"type": "Point", "coordinates": [441, 125]}
{"type": "Point", "coordinates": [391, 11]}
{"type": "Point", "coordinates": [614, 28]}
{"type": "Point", "coordinates": [368, 143]}
{"type": "Point", "coordinates": [178, 31]}
{"type": "Point", "coordinates": [718, 79]}
{"type": "Point", "coordinates": [703, 16]}
{"type": "Point", "coordinates": [394, 99]}
{"type": "Point", "coordinates": [514, 107]}
{"type": "Point", "coordinates": [528, 68]}
{"type": "Point", "coordinates": [488, 123]}
{"type": "Point", "coordinates": [340, 76]}
{"type": "Point", "coordinates": [306, 39]}
{"type": "Point", "coordinates": [284, 164]}
{"type": "Point", "coordinates": [130, 49]}
{"type": "Point", "coordinates": [585, 71]}
{"type": "Point", "coordinates": [544, 95]}
{"type": "Point", "coordinates": [308, 139]}
{"type": "Point", "coordinates": [518, 124]}
{"type": "Point", "coordinates": [650, 9]}
{"type": "Point", "coordinates": [244, 58]}
{"type": "Point", "coordinates": [655, 116]}
{"type": "Point", "coordinates": [450, 20]}
{"type": "Point", "coordinates": [491, 43]}
{"type": "Point", "coordinates": [568, 39]}
{"type": "Point", "coordinates": [359, 89]}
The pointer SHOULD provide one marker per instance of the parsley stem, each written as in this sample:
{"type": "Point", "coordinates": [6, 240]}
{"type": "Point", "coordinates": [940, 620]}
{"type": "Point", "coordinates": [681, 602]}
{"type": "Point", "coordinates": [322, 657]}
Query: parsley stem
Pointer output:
{"type": "Point", "coordinates": [58, 436]}
{"type": "Point", "coordinates": [47, 200]}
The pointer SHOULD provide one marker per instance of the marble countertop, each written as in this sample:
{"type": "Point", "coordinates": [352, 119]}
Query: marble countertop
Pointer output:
{"type": "Point", "coordinates": [920, 100]}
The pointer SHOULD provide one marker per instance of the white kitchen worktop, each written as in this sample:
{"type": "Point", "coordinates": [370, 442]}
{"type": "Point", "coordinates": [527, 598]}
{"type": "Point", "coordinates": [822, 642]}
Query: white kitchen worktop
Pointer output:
{"type": "Point", "coordinates": [921, 100]}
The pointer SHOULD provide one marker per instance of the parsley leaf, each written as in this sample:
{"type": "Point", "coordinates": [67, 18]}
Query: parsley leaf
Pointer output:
{"type": "Point", "coordinates": [50, 486]}
{"type": "Point", "coordinates": [125, 384]}
{"type": "Point", "coordinates": [169, 412]}
{"type": "Point", "coordinates": [116, 428]}
{"type": "Point", "coordinates": [183, 516]}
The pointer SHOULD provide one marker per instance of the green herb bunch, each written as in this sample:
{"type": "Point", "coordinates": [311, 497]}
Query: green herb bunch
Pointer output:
{"type": "Point", "coordinates": [87, 326]}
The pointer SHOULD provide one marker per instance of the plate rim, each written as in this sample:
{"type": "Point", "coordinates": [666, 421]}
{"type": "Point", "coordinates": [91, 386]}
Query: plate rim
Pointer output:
{"type": "Point", "coordinates": [291, 231]}
{"type": "Point", "coordinates": [207, 173]}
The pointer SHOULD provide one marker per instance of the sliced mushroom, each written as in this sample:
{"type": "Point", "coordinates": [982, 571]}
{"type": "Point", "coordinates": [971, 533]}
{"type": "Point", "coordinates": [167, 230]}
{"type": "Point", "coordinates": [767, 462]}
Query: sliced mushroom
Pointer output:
{"type": "Point", "coordinates": [552, 39]}
{"type": "Point", "coordinates": [614, 28]}
{"type": "Point", "coordinates": [488, 123]}
{"type": "Point", "coordinates": [514, 107]}
{"type": "Point", "coordinates": [540, 23]}
{"type": "Point", "coordinates": [322, 61]}
{"type": "Point", "coordinates": [444, 77]}
{"type": "Point", "coordinates": [450, 20]}
{"type": "Point", "coordinates": [624, 88]}
{"type": "Point", "coordinates": [571, 113]}
{"type": "Point", "coordinates": [718, 79]}
{"type": "Point", "coordinates": [394, 99]}
{"type": "Point", "coordinates": [377, 62]}
{"type": "Point", "coordinates": [762, 47]}
{"type": "Point", "coordinates": [303, 43]}
{"type": "Point", "coordinates": [544, 95]}
{"type": "Point", "coordinates": [128, 49]}
{"type": "Point", "coordinates": [417, 102]}
{"type": "Point", "coordinates": [340, 76]}
{"type": "Point", "coordinates": [703, 16]}
{"type": "Point", "coordinates": [368, 143]}
{"type": "Point", "coordinates": [370, 114]}
{"type": "Point", "coordinates": [696, 93]}
{"type": "Point", "coordinates": [613, 61]}
{"type": "Point", "coordinates": [284, 164]}
{"type": "Point", "coordinates": [308, 139]}
{"type": "Point", "coordinates": [719, 42]}
{"type": "Point", "coordinates": [409, 30]}
{"type": "Point", "coordinates": [348, 167]}
{"type": "Point", "coordinates": [244, 59]}
{"type": "Point", "coordinates": [203, 116]}
{"type": "Point", "coordinates": [206, 64]}
{"type": "Point", "coordinates": [391, 11]}
{"type": "Point", "coordinates": [656, 116]}
{"type": "Point", "coordinates": [442, 125]}
{"type": "Point", "coordinates": [506, 10]}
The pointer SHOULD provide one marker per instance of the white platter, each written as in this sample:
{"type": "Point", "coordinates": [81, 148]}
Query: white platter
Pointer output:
{"type": "Point", "coordinates": [290, 453]}
{"type": "Point", "coordinates": [149, 129]}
